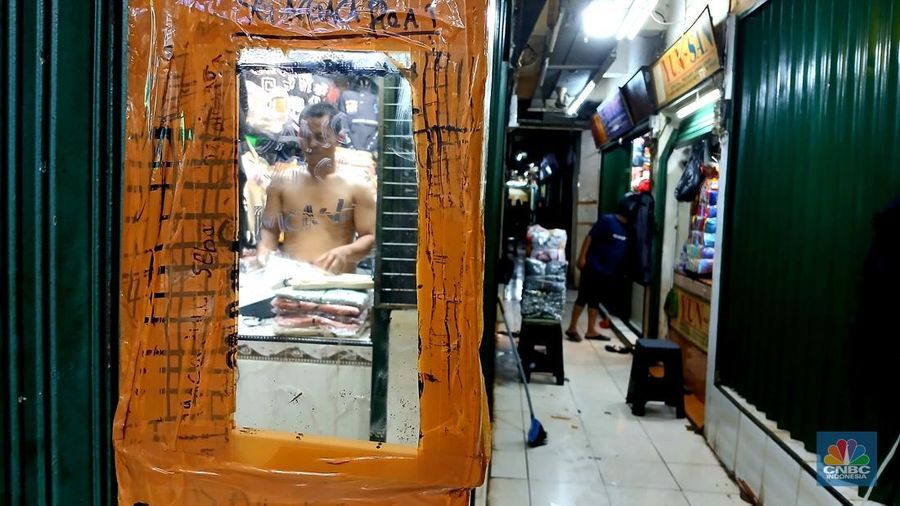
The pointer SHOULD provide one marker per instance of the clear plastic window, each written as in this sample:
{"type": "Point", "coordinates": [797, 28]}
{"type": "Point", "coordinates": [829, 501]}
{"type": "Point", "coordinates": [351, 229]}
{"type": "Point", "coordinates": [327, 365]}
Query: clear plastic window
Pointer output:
{"type": "Point", "coordinates": [328, 236]}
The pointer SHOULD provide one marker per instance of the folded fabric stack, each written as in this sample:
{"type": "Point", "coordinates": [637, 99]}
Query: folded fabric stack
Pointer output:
{"type": "Point", "coordinates": [322, 312]}
{"type": "Point", "coordinates": [699, 251]}
{"type": "Point", "coordinates": [544, 294]}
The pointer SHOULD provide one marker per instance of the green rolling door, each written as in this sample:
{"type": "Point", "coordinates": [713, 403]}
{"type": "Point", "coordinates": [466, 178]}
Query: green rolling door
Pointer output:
{"type": "Point", "coordinates": [816, 154]}
{"type": "Point", "coordinates": [62, 79]}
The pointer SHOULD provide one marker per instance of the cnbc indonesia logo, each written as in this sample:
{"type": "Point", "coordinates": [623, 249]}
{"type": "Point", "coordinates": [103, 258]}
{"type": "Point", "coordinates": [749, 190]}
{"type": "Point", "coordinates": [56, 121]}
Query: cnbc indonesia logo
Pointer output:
{"type": "Point", "coordinates": [846, 461]}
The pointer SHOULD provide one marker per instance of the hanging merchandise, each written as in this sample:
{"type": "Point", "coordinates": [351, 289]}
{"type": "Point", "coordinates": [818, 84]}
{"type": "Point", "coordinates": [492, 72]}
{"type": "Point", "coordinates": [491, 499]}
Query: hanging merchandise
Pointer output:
{"type": "Point", "coordinates": [698, 253]}
{"type": "Point", "coordinates": [641, 227]}
{"type": "Point", "coordinates": [641, 164]}
{"type": "Point", "coordinates": [692, 177]}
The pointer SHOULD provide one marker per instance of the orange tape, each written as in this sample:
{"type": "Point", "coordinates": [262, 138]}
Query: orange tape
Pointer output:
{"type": "Point", "coordinates": [174, 435]}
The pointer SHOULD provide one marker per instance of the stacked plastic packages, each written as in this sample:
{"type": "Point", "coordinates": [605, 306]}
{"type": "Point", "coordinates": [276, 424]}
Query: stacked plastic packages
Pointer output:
{"type": "Point", "coordinates": [700, 249]}
{"type": "Point", "coordinates": [544, 293]}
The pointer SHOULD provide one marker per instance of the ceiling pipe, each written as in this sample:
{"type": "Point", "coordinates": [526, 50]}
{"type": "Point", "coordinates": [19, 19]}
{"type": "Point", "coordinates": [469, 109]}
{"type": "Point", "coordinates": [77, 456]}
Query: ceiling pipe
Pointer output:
{"type": "Point", "coordinates": [550, 45]}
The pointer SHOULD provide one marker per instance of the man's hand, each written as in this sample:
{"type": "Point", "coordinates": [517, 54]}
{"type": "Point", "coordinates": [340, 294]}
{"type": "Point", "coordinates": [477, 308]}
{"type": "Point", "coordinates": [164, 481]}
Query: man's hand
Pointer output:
{"type": "Point", "coordinates": [581, 262]}
{"type": "Point", "coordinates": [335, 261]}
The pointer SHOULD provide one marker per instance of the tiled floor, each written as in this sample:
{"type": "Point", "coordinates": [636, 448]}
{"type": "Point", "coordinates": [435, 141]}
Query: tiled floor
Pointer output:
{"type": "Point", "coordinates": [598, 453]}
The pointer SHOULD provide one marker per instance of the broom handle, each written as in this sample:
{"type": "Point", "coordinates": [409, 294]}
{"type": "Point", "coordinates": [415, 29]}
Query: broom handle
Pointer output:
{"type": "Point", "coordinates": [512, 344]}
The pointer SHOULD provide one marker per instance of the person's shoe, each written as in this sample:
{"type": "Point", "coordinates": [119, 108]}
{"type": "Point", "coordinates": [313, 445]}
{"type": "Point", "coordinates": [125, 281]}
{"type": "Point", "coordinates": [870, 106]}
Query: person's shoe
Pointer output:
{"type": "Point", "coordinates": [598, 337]}
{"type": "Point", "coordinates": [604, 324]}
{"type": "Point", "coordinates": [573, 336]}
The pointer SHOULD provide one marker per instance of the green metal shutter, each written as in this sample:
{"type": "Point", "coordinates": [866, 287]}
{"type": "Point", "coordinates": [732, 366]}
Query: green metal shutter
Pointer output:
{"type": "Point", "coordinates": [494, 190]}
{"type": "Point", "coordinates": [62, 107]}
{"type": "Point", "coordinates": [615, 177]}
{"type": "Point", "coordinates": [816, 154]}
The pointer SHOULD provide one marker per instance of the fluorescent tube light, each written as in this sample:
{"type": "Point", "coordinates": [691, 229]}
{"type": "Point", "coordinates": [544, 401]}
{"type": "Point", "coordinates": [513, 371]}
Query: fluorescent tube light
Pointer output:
{"type": "Point", "coordinates": [637, 15]}
{"type": "Point", "coordinates": [696, 105]}
{"type": "Point", "coordinates": [573, 107]}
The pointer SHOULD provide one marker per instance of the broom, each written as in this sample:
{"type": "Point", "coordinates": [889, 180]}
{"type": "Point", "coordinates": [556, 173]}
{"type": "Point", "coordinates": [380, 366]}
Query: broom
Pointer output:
{"type": "Point", "coordinates": [537, 436]}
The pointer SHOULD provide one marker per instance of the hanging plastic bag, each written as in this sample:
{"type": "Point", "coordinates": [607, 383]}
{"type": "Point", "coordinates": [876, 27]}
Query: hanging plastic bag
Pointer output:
{"type": "Point", "coordinates": [692, 177]}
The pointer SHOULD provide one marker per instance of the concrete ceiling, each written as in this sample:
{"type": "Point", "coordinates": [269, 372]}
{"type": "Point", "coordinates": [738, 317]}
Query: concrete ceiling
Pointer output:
{"type": "Point", "coordinates": [558, 56]}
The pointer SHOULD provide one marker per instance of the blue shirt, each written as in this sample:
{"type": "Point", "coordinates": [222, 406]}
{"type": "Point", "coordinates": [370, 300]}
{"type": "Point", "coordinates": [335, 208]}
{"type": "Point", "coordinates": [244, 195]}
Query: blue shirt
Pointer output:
{"type": "Point", "coordinates": [609, 245]}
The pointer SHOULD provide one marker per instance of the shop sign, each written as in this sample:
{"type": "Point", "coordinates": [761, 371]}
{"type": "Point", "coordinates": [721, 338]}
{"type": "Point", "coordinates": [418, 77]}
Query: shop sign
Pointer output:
{"type": "Point", "coordinates": [689, 61]}
{"type": "Point", "coordinates": [614, 116]}
{"type": "Point", "coordinates": [692, 318]}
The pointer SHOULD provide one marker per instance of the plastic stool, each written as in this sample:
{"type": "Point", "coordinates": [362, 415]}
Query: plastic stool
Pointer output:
{"type": "Point", "coordinates": [643, 387]}
{"type": "Point", "coordinates": [546, 333]}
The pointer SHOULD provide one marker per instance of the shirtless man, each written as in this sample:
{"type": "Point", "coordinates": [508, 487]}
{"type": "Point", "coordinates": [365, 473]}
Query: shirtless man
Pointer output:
{"type": "Point", "coordinates": [327, 215]}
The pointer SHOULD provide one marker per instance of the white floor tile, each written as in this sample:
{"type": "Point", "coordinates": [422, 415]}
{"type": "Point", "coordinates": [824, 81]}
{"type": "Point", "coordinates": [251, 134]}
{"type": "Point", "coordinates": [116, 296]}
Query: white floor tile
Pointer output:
{"type": "Point", "coordinates": [545, 493]}
{"type": "Point", "coordinates": [635, 447]}
{"type": "Point", "coordinates": [703, 478]}
{"type": "Point", "coordinates": [508, 419]}
{"type": "Point", "coordinates": [662, 426]}
{"type": "Point", "coordinates": [713, 499]}
{"type": "Point", "coordinates": [562, 468]}
{"type": "Point", "coordinates": [511, 401]}
{"type": "Point", "coordinates": [564, 437]}
{"type": "Point", "coordinates": [609, 426]}
{"type": "Point", "coordinates": [597, 452]}
{"type": "Point", "coordinates": [508, 439]}
{"type": "Point", "coordinates": [507, 492]}
{"type": "Point", "coordinates": [509, 464]}
{"type": "Point", "coordinates": [599, 390]}
{"type": "Point", "coordinates": [688, 449]}
{"type": "Point", "coordinates": [622, 496]}
{"type": "Point", "coordinates": [508, 387]}
{"type": "Point", "coordinates": [628, 473]}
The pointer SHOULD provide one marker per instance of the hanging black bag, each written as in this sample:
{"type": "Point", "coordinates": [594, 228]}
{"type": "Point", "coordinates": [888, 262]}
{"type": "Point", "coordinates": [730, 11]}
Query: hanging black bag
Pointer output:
{"type": "Point", "coordinates": [692, 177]}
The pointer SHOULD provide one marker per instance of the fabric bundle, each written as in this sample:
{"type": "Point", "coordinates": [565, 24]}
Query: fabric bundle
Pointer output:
{"type": "Point", "coordinates": [547, 245]}
{"type": "Point", "coordinates": [329, 312]}
{"type": "Point", "coordinates": [544, 294]}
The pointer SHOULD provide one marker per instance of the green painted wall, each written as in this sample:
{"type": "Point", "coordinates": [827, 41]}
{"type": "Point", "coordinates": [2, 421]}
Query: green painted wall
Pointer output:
{"type": "Point", "coordinates": [816, 155]}
{"type": "Point", "coordinates": [62, 70]}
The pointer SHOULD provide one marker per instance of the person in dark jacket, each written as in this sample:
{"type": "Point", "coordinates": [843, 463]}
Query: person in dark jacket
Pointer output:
{"type": "Point", "coordinates": [602, 262]}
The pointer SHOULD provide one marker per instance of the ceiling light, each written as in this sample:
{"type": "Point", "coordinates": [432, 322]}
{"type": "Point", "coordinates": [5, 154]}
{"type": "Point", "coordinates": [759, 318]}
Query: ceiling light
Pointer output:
{"type": "Point", "coordinates": [637, 15]}
{"type": "Point", "coordinates": [601, 18]}
{"type": "Point", "coordinates": [573, 107]}
{"type": "Point", "coordinates": [696, 105]}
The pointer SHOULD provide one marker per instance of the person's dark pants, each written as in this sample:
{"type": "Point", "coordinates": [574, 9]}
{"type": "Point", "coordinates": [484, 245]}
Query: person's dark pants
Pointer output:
{"type": "Point", "coordinates": [594, 289]}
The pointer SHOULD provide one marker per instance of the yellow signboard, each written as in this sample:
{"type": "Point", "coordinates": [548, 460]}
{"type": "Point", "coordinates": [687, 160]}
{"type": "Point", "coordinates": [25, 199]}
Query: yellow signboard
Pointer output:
{"type": "Point", "coordinates": [692, 319]}
{"type": "Point", "coordinates": [688, 62]}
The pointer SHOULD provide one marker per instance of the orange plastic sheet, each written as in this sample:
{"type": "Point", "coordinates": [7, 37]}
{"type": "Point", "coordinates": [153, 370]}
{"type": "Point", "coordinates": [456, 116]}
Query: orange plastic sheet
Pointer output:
{"type": "Point", "coordinates": [175, 439]}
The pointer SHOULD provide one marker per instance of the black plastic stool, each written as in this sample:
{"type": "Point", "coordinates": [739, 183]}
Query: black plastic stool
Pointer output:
{"type": "Point", "coordinates": [546, 333]}
{"type": "Point", "coordinates": [643, 387]}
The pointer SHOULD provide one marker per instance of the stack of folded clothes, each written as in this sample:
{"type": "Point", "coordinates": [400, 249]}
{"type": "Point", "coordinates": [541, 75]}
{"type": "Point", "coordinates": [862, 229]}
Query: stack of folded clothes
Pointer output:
{"type": "Point", "coordinates": [328, 312]}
